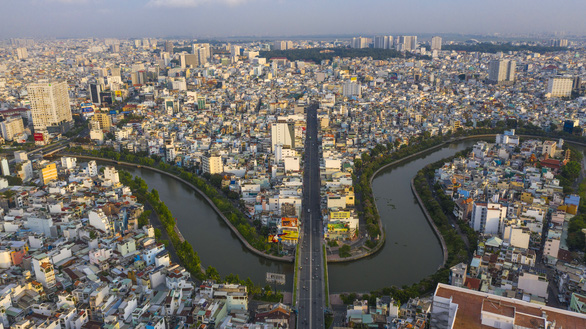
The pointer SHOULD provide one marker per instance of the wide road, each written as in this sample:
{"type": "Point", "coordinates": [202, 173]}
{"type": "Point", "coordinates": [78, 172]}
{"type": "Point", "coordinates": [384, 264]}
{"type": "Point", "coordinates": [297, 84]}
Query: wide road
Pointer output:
{"type": "Point", "coordinates": [311, 277]}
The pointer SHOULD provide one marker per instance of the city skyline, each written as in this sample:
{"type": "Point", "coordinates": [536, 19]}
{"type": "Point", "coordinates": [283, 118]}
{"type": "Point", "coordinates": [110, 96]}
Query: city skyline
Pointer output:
{"type": "Point", "coordinates": [225, 18]}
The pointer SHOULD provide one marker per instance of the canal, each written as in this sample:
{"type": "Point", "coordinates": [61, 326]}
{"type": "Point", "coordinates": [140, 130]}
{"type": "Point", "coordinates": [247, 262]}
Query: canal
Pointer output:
{"type": "Point", "coordinates": [214, 242]}
{"type": "Point", "coordinates": [411, 252]}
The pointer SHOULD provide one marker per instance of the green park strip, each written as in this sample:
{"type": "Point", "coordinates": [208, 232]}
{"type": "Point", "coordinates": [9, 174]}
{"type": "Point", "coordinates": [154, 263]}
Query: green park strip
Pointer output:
{"type": "Point", "coordinates": [295, 276]}
{"type": "Point", "coordinates": [326, 284]}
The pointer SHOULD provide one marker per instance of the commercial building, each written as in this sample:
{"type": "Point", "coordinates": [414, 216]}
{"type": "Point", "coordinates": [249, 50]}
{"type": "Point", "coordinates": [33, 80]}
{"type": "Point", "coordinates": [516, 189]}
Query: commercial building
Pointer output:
{"type": "Point", "coordinates": [50, 106]}
{"type": "Point", "coordinates": [95, 90]}
{"type": "Point", "coordinates": [189, 60]}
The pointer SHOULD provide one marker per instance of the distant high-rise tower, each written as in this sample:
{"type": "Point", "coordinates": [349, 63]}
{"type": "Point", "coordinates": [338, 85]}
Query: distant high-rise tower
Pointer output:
{"type": "Point", "coordinates": [50, 107]}
{"type": "Point", "coordinates": [282, 45]}
{"type": "Point", "coordinates": [169, 47]}
{"type": "Point", "coordinates": [22, 53]}
{"type": "Point", "coordinates": [502, 71]}
{"type": "Point", "coordinates": [383, 42]}
{"type": "Point", "coordinates": [558, 42]}
{"type": "Point", "coordinates": [407, 42]}
{"type": "Point", "coordinates": [436, 43]}
{"type": "Point", "coordinates": [202, 52]}
{"type": "Point", "coordinates": [360, 42]}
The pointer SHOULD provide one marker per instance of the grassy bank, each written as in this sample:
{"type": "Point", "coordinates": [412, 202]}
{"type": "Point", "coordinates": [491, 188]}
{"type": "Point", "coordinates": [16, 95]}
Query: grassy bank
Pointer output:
{"type": "Point", "coordinates": [187, 256]}
{"type": "Point", "coordinates": [295, 276]}
{"type": "Point", "coordinates": [327, 285]}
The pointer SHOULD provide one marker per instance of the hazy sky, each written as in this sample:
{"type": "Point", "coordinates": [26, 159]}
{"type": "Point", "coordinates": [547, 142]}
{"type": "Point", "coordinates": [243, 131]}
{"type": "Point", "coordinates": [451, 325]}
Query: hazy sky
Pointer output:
{"type": "Point", "coordinates": [218, 18]}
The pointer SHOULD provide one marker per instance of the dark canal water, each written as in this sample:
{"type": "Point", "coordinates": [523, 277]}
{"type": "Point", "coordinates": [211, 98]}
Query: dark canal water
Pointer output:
{"type": "Point", "coordinates": [410, 253]}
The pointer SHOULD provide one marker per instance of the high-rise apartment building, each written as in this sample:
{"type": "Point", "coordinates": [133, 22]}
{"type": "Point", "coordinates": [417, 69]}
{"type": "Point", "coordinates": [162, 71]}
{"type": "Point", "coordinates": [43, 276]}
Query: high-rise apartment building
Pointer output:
{"type": "Point", "coordinates": [11, 127]}
{"type": "Point", "coordinates": [50, 107]}
{"type": "Point", "coordinates": [502, 71]}
{"type": "Point", "coordinates": [360, 42]}
{"type": "Point", "coordinates": [5, 167]}
{"type": "Point", "coordinates": [383, 42]}
{"type": "Point", "coordinates": [212, 164]}
{"type": "Point", "coordinates": [203, 52]}
{"type": "Point", "coordinates": [558, 42]}
{"type": "Point", "coordinates": [22, 53]}
{"type": "Point", "coordinates": [101, 121]}
{"type": "Point", "coordinates": [49, 173]}
{"type": "Point", "coordinates": [488, 218]}
{"type": "Point", "coordinates": [283, 133]}
{"type": "Point", "coordinates": [282, 45]}
{"type": "Point", "coordinates": [203, 55]}
{"type": "Point", "coordinates": [351, 88]}
{"type": "Point", "coordinates": [560, 86]}
{"type": "Point", "coordinates": [436, 43]}
{"type": "Point", "coordinates": [138, 77]}
{"type": "Point", "coordinates": [407, 43]}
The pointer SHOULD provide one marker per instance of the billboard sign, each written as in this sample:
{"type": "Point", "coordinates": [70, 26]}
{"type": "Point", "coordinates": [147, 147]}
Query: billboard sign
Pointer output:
{"type": "Point", "coordinates": [290, 235]}
{"type": "Point", "coordinates": [39, 137]}
{"type": "Point", "coordinates": [289, 222]}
